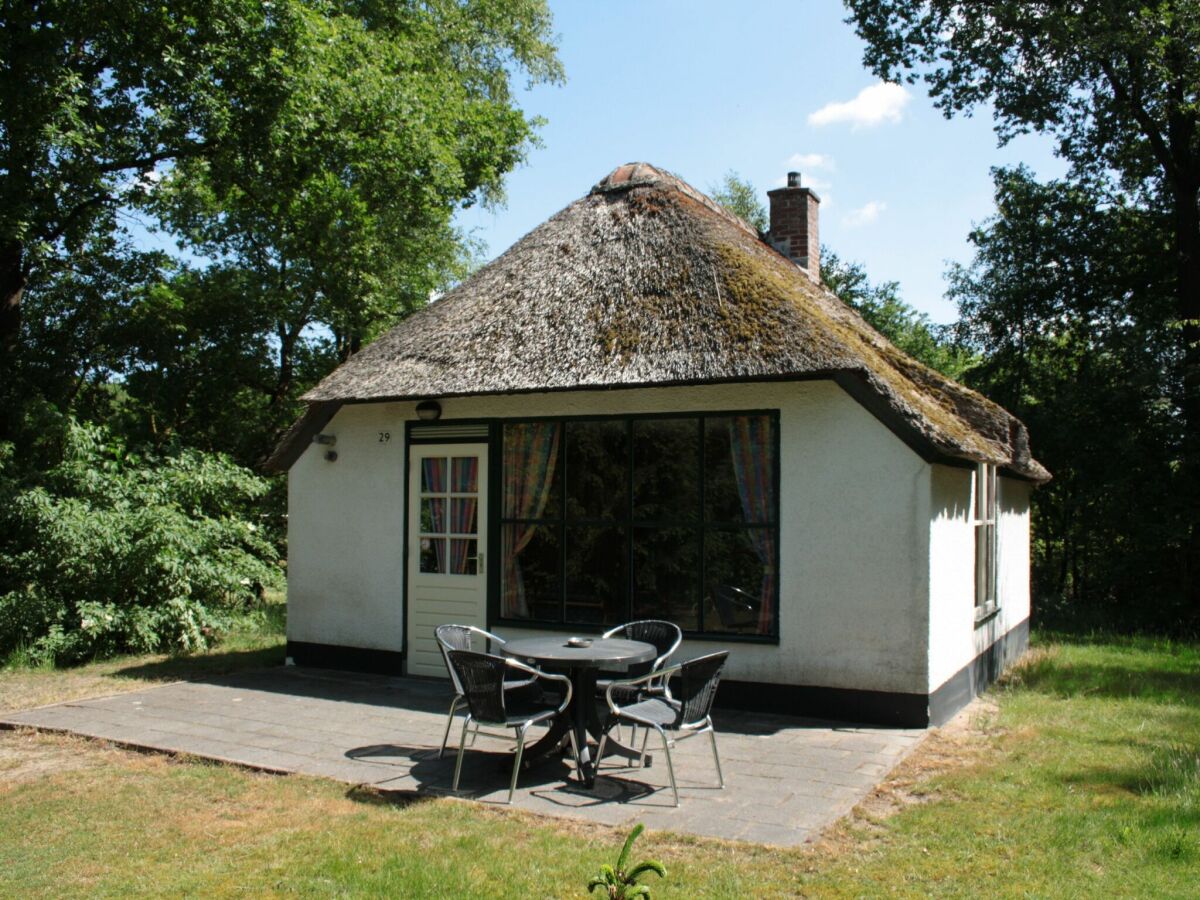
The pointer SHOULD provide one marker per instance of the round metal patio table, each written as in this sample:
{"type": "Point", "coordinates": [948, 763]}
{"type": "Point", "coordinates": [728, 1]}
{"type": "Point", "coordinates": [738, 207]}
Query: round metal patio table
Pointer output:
{"type": "Point", "coordinates": [582, 664]}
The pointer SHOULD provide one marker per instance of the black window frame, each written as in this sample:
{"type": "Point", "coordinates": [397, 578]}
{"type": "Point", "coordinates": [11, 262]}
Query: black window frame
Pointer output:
{"type": "Point", "coordinates": [628, 523]}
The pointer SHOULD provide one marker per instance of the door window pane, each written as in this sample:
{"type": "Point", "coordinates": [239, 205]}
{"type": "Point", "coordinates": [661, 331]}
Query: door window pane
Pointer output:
{"type": "Point", "coordinates": [465, 474]}
{"type": "Point", "coordinates": [666, 467]}
{"type": "Point", "coordinates": [433, 555]}
{"type": "Point", "coordinates": [433, 475]}
{"type": "Point", "coordinates": [433, 515]}
{"type": "Point", "coordinates": [597, 469]}
{"type": "Point", "coordinates": [597, 575]}
{"type": "Point", "coordinates": [463, 557]}
{"type": "Point", "coordinates": [463, 515]}
{"type": "Point", "coordinates": [666, 575]}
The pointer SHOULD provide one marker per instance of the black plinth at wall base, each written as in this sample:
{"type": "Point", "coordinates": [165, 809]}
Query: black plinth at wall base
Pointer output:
{"type": "Point", "coordinates": [881, 707]}
{"type": "Point", "coordinates": [838, 704]}
{"type": "Point", "coordinates": [350, 659]}
{"type": "Point", "coordinates": [973, 679]}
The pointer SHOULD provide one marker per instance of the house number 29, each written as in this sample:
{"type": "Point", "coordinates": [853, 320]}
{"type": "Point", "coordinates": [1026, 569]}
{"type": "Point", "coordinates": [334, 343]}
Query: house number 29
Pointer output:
{"type": "Point", "coordinates": [384, 437]}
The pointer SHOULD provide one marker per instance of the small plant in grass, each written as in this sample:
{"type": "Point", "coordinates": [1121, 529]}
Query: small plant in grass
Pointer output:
{"type": "Point", "coordinates": [621, 882]}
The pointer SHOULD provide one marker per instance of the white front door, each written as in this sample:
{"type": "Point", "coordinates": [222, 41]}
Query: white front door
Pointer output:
{"type": "Point", "coordinates": [447, 546]}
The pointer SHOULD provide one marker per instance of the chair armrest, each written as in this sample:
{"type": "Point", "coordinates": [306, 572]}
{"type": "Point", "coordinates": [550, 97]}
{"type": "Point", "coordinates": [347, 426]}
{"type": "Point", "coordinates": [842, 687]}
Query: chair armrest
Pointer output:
{"type": "Point", "coordinates": [547, 676]}
{"type": "Point", "coordinates": [664, 674]}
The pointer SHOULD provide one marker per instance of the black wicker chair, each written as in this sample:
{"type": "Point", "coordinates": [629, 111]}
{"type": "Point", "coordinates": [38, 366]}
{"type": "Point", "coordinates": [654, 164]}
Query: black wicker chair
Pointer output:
{"type": "Point", "coordinates": [482, 677]}
{"type": "Point", "coordinates": [470, 637]}
{"type": "Point", "coordinates": [684, 708]}
{"type": "Point", "coordinates": [666, 638]}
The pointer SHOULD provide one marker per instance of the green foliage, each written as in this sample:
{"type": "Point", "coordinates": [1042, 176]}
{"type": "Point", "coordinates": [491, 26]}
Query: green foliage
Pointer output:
{"type": "Point", "coordinates": [903, 325]}
{"type": "Point", "coordinates": [621, 882]}
{"type": "Point", "coordinates": [94, 95]}
{"type": "Point", "coordinates": [1116, 85]}
{"type": "Point", "coordinates": [1047, 304]}
{"type": "Point", "coordinates": [334, 219]}
{"type": "Point", "coordinates": [307, 158]}
{"type": "Point", "coordinates": [741, 198]}
{"type": "Point", "coordinates": [114, 552]}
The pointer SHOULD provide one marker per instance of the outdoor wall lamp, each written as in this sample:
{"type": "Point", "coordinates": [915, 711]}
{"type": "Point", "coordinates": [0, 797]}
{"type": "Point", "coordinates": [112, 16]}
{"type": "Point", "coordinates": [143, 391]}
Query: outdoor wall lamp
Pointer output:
{"type": "Point", "coordinates": [429, 410]}
{"type": "Point", "coordinates": [328, 440]}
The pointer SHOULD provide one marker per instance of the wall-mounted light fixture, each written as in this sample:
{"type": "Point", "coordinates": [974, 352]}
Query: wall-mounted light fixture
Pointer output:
{"type": "Point", "coordinates": [429, 410]}
{"type": "Point", "coordinates": [327, 440]}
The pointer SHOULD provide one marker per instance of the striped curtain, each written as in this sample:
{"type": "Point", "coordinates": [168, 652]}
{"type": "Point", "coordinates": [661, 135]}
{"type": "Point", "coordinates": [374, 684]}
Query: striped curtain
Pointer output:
{"type": "Point", "coordinates": [752, 445]}
{"type": "Point", "coordinates": [530, 454]}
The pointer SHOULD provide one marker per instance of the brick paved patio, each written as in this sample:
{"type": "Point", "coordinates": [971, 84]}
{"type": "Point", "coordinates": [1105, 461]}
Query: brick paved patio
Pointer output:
{"type": "Point", "coordinates": [786, 778]}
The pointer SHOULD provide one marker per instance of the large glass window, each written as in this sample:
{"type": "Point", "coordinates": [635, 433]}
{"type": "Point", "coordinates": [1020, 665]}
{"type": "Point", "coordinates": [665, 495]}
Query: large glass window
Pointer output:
{"type": "Point", "coordinates": [673, 517]}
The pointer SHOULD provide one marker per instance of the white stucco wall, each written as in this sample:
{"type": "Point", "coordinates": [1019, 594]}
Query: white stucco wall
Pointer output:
{"type": "Point", "coordinates": [855, 509]}
{"type": "Point", "coordinates": [954, 638]}
{"type": "Point", "coordinates": [346, 534]}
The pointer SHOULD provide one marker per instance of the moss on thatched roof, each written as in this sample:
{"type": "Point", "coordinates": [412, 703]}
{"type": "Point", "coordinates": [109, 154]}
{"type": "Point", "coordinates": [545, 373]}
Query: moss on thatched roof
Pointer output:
{"type": "Point", "coordinates": [647, 282]}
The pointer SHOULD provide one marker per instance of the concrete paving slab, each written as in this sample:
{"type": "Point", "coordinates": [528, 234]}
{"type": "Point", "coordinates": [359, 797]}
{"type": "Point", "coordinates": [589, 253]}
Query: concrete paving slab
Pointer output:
{"type": "Point", "coordinates": [786, 778]}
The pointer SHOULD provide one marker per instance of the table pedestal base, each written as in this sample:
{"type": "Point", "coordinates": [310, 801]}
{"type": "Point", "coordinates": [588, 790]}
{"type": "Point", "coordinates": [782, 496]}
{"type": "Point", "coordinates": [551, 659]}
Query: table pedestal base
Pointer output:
{"type": "Point", "coordinates": [583, 717]}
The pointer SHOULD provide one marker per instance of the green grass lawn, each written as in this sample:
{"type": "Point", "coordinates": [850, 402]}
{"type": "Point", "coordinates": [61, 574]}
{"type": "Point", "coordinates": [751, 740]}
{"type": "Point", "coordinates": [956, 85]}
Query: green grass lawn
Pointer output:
{"type": "Point", "coordinates": [1081, 777]}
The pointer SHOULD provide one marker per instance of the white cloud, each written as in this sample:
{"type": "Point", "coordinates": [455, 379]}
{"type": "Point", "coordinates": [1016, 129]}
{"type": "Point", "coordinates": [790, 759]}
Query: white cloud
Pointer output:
{"type": "Point", "coordinates": [149, 179]}
{"type": "Point", "coordinates": [874, 105]}
{"type": "Point", "coordinates": [810, 161]}
{"type": "Point", "coordinates": [864, 215]}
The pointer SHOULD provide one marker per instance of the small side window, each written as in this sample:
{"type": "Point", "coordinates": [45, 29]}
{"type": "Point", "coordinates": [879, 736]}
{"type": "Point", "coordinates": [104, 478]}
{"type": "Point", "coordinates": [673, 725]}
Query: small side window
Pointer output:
{"type": "Point", "coordinates": [985, 539]}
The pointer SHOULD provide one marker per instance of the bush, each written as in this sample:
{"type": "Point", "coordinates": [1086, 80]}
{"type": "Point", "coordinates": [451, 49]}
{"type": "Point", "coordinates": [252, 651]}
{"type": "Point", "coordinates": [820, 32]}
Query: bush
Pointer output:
{"type": "Point", "coordinates": [116, 552]}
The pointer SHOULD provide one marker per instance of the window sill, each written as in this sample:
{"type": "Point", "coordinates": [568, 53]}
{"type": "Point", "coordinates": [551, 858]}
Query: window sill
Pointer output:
{"type": "Point", "coordinates": [712, 636]}
{"type": "Point", "coordinates": [986, 613]}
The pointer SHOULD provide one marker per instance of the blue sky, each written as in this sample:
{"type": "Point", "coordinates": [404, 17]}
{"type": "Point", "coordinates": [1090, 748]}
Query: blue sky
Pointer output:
{"type": "Point", "coordinates": [759, 87]}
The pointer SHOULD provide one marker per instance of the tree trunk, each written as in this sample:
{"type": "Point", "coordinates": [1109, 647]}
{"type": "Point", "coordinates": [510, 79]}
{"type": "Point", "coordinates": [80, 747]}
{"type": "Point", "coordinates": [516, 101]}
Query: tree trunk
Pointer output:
{"type": "Point", "coordinates": [12, 286]}
{"type": "Point", "coordinates": [1187, 235]}
{"type": "Point", "coordinates": [287, 351]}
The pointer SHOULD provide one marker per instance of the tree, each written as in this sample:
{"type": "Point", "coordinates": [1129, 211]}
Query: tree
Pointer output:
{"type": "Point", "coordinates": [1045, 303]}
{"type": "Point", "coordinates": [335, 220]}
{"type": "Point", "coordinates": [886, 312]}
{"type": "Point", "coordinates": [741, 198]}
{"type": "Point", "coordinates": [1117, 85]}
{"type": "Point", "coordinates": [307, 157]}
{"type": "Point", "coordinates": [94, 95]}
{"type": "Point", "coordinates": [308, 154]}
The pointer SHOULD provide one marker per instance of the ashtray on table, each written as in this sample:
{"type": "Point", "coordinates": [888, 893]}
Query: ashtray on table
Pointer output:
{"type": "Point", "coordinates": [579, 642]}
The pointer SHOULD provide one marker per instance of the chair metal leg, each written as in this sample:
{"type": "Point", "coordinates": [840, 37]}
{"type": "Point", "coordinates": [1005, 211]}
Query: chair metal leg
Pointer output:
{"type": "Point", "coordinates": [670, 765]}
{"type": "Point", "coordinates": [462, 751]}
{"type": "Point", "coordinates": [575, 750]}
{"type": "Point", "coordinates": [449, 721]}
{"type": "Point", "coordinates": [599, 750]}
{"type": "Point", "coordinates": [645, 739]}
{"type": "Point", "coordinates": [712, 734]}
{"type": "Point", "coordinates": [512, 785]}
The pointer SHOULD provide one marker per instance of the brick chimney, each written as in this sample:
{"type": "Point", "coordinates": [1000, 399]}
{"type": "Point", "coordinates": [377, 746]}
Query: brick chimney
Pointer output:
{"type": "Point", "coordinates": [794, 224]}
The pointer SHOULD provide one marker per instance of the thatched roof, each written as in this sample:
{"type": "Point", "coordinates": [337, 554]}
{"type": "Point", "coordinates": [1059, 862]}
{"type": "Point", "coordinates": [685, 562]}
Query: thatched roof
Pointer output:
{"type": "Point", "coordinates": [647, 282]}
